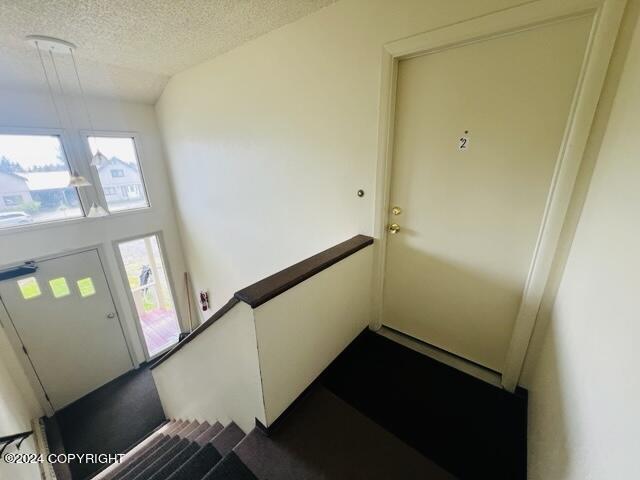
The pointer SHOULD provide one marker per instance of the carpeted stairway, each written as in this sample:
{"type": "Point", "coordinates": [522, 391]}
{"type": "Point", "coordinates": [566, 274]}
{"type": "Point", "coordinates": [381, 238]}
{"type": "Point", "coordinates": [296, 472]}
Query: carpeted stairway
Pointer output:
{"type": "Point", "coordinates": [182, 450]}
{"type": "Point", "coordinates": [324, 438]}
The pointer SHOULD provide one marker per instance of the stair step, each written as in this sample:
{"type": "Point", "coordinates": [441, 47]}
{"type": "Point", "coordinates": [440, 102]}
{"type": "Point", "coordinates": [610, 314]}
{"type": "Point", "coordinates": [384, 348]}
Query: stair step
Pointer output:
{"type": "Point", "coordinates": [183, 450]}
{"type": "Point", "coordinates": [177, 425]}
{"type": "Point", "coordinates": [137, 450]}
{"type": "Point", "coordinates": [230, 468]}
{"type": "Point", "coordinates": [130, 464]}
{"type": "Point", "coordinates": [203, 427]}
{"type": "Point", "coordinates": [144, 471]}
{"type": "Point", "coordinates": [175, 463]}
{"type": "Point", "coordinates": [209, 434]}
{"type": "Point", "coordinates": [136, 464]}
{"type": "Point", "coordinates": [187, 429]}
{"type": "Point", "coordinates": [150, 458]}
{"type": "Point", "coordinates": [198, 465]}
{"type": "Point", "coordinates": [227, 439]}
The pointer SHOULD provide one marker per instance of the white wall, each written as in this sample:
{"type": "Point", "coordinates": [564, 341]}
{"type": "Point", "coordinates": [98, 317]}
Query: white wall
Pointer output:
{"type": "Point", "coordinates": [301, 331]}
{"type": "Point", "coordinates": [268, 143]}
{"type": "Point", "coordinates": [35, 111]}
{"type": "Point", "coordinates": [223, 383]}
{"type": "Point", "coordinates": [581, 372]}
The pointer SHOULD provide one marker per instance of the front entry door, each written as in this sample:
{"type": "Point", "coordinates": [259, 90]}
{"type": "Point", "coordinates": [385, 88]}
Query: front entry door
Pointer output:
{"type": "Point", "coordinates": [477, 134]}
{"type": "Point", "coordinates": [66, 319]}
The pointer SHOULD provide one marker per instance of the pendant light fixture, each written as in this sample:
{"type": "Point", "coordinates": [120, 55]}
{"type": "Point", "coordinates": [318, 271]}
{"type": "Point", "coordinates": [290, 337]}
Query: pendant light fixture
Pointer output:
{"type": "Point", "coordinates": [97, 211]}
{"type": "Point", "coordinates": [55, 45]}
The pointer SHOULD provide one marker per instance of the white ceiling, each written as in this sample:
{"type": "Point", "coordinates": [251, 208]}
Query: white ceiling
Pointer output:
{"type": "Point", "coordinates": [130, 48]}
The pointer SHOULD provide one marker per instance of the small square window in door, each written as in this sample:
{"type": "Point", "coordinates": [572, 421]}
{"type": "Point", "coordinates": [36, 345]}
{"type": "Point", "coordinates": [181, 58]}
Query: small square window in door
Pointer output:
{"type": "Point", "coordinates": [29, 288]}
{"type": "Point", "coordinates": [86, 287]}
{"type": "Point", "coordinates": [59, 287]}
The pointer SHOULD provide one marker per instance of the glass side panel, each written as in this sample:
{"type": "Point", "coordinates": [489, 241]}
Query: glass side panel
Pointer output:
{"type": "Point", "coordinates": [148, 281]}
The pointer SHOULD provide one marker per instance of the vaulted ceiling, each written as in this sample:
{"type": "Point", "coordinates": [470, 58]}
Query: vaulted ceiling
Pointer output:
{"type": "Point", "coordinates": [129, 48]}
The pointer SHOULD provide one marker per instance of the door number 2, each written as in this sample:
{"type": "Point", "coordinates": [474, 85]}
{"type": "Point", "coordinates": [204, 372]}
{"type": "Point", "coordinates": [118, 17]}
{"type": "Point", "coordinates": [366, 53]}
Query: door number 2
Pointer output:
{"type": "Point", "coordinates": [463, 142]}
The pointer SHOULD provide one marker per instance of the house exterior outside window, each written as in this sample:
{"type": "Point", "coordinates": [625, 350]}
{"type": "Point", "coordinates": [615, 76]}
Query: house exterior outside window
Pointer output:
{"type": "Point", "coordinates": [120, 175]}
{"type": "Point", "coordinates": [122, 185]}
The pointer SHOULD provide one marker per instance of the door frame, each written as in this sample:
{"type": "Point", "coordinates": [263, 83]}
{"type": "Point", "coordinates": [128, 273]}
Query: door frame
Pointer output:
{"type": "Point", "coordinates": [132, 304]}
{"type": "Point", "coordinates": [606, 17]}
{"type": "Point", "coordinates": [6, 323]}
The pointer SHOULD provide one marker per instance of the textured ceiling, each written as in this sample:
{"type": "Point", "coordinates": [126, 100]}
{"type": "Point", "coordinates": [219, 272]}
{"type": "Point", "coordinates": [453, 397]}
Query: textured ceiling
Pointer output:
{"type": "Point", "coordinates": [130, 48]}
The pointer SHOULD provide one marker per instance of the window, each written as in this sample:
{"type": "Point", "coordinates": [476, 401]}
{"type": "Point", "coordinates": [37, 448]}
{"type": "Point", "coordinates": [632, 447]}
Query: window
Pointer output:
{"type": "Point", "coordinates": [12, 200]}
{"type": "Point", "coordinates": [86, 287]}
{"type": "Point", "coordinates": [29, 288]}
{"type": "Point", "coordinates": [120, 175]}
{"type": "Point", "coordinates": [34, 181]}
{"type": "Point", "coordinates": [59, 287]}
{"type": "Point", "coordinates": [149, 285]}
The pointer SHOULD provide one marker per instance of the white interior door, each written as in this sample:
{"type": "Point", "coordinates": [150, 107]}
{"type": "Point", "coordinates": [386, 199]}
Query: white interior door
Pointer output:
{"type": "Point", "coordinates": [478, 131]}
{"type": "Point", "coordinates": [65, 317]}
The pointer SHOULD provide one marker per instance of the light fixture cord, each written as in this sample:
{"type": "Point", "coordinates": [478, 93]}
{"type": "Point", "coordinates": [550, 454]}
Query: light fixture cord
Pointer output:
{"type": "Point", "coordinates": [62, 92]}
{"type": "Point", "coordinates": [66, 106]}
{"type": "Point", "coordinates": [49, 87]}
{"type": "Point", "coordinates": [84, 98]}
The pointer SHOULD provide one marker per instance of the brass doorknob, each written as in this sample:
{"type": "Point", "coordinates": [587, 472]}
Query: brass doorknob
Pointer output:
{"type": "Point", "coordinates": [394, 228]}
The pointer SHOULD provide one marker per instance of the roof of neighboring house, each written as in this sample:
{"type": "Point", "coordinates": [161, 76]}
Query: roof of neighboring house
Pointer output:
{"type": "Point", "coordinates": [46, 180]}
{"type": "Point", "coordinates": [11, 174]}
{"type": "Point", "coordinates": [116, 161]}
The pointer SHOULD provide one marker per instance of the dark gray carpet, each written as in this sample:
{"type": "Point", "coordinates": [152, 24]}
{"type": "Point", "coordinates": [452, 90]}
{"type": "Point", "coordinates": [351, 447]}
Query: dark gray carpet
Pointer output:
{"type": "Point", "coordinates": [110, 419]}
{"type": "Point", "coordinates": [468, 427]}
{"type": "Point", "coordinates": [230, 468]}
{"type": "Point", "coordinates": [198, 465]}
{"type": "Point", "coordinates": [173, 464]}
{"type": "Point", "coordinates": [324, 438]}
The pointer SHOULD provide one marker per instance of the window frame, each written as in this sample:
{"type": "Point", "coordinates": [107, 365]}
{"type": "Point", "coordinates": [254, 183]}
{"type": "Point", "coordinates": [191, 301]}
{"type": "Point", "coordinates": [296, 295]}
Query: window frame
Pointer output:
{"type": "Point", "coordinates": [95, 177]}
{"type": "Point", "coordinates": [66, 145]}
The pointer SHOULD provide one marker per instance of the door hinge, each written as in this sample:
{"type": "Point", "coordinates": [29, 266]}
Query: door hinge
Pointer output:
{"type": "Point", "coordinates": [47, 397]}
{"type": "Point", "coordinates": [24, 349]}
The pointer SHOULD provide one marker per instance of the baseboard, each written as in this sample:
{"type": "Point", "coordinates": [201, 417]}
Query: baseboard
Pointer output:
{"type": "Point", "coordinates": [470, 368]}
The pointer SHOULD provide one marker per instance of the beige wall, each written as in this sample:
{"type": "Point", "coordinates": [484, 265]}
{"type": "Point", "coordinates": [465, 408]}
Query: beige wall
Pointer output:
{"type": "Point", "coordinates": [581, 368]}
{"type": "Point", "coordinates": [301, 331]}
{"type": "Point", "coordinates": [269, 143]}
{"type": "Point", "coordinates": [18, 406]}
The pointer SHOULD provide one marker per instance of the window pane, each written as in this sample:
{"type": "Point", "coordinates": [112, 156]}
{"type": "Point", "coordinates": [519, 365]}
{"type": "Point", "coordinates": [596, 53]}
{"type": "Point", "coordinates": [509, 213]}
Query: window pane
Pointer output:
{"type": "Point", "coordinates": [29, 288]}
{"type": "Point", "coordinates": [120, 175]}
{"type": "Point", "coordinates": [34, 181]}
{"type": "Point", "coordinates": [149, 286]}
{"type": "Point", "coordinates": [86, 287]}
{"type": "Point", "coordinates": [59, 287]}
